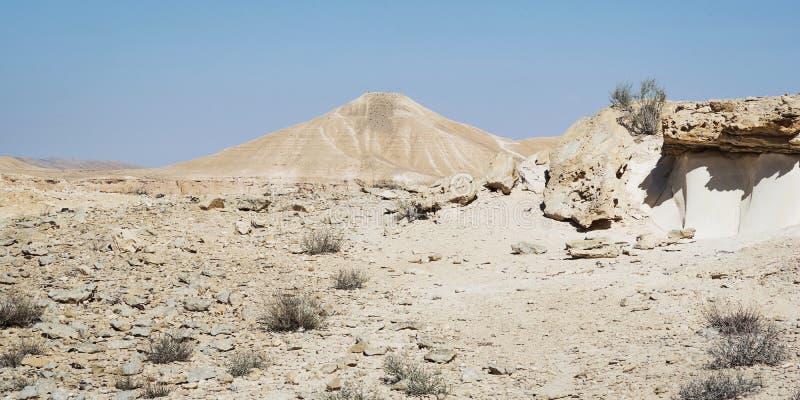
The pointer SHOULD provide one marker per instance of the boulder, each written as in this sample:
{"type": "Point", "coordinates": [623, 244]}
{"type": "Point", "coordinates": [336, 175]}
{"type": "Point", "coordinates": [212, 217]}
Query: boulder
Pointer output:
{"type": "Point", "coordinates": [598, 170]}
{"type": "Point", "coordinates": [502, 174]}
{"type": "Point", "coordinates": [533, 172]}
{"type": "Point", "coordinates": [460, 189]}
{"type": "Point", "coordinates": [592, 248]}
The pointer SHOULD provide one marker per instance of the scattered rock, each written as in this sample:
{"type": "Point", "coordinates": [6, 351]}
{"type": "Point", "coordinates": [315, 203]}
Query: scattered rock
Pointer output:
{"type": "Point", "coordinates": [210, 204]}
{"type": "Point", "coordinates": [242, 228]}
{"type": "Point", "coordinates": [527, 248]}
{"type": "Point", "coordinates": [592, 248]}
{"type": "Point", "coordinates": [196, 305]}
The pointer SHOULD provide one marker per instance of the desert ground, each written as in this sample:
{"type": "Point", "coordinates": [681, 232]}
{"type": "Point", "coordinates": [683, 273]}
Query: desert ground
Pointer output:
{"type": "Point", "coordinates": [116, 269]}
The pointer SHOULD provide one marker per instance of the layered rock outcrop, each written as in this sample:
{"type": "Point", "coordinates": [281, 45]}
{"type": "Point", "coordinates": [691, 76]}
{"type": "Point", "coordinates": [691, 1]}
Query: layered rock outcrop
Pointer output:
{"type": "Point", "coordinates": [750, 125]}
{"type": "Point", "coordinates": [723, 167]}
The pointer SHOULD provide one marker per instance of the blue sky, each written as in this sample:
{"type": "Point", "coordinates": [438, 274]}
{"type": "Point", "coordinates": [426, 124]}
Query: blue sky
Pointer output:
{"type": "Point", "coordinates": [156, 82]}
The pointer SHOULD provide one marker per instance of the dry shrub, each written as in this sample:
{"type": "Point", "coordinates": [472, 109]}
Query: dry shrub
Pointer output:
{"type": "Point", "coordinates": [748, 338]}
{"type": "Point", "coordinates": [718, 387]}
{"type": "Point", "coordinates": [20, 310]}
{"type": "Point", "coordinates": [289, 312]}
{"type": "Point", "coordinates": [155, 390]}
{"type": "Point", "coordinates": [418, 381]}
{"type": "Point", "coordinates": [350, 391]}
{"type": "Point", "coordinates": [410, 210]}
{"type": "Point", "coordinates": [350, 279]}
{"type": "Point", "coordinates": [167, 348]}
{"type": "Point", "coordinates": [322, 241]}
{"type": "Point", "coordinates": [762, 346]}
{"type": "Point", "coordinates": [729, 319]}
{"type": "Point", "coordinates": [14, 355]}
{"type": "Point", "coordinates": [127, 383]}
{"type": "Point", "coordinates": [242, 362]}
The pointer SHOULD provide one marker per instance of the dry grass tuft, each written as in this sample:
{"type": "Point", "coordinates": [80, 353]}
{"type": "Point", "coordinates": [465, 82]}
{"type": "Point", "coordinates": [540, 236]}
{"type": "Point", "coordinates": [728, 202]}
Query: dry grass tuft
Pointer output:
{"type": "Point", "coordinates": [289, 312]}
{"type": "Point", "coordinates": [351, 392]}
{"type": "Point", "coordinates": [14, 355]}
{"type": "Point", "coordinates": [718, 387]}
{"type": "Point", "coordinates": [167, 348]}
{"type": "Point", "coordinates": [155, 390]}
{"type": "Point", "coordinates": [20, 310]}
{"type": "Point", "coordinates": [322, 241]}
{"type": "Point", "coordinates": [242, 362]}
{"type": "Point", "coordinates": [417, 380]}
{"type": "Point", "coordinates": [350, 279]}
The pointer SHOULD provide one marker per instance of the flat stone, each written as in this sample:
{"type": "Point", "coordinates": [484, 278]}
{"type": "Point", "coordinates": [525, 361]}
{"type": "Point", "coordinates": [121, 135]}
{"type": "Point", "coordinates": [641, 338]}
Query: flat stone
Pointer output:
{"type": "Point", "coordinates": [196, 305]}
{"type": "Point", "coordinates": [131, 368]}
{"type": "Point", "coordinates": [201, 374]}
{"type": "Point", "coordinates": [121, 344]}
{"type": "Point", "coordinates": [76, 295]}
{"type": "Point", "coordinates": [119, 325]}
{"type": "Point", "coordinates": [440, 356]}
{"type": "Point", "coordinates": [223, 344]}
{"type": "Point", "coordinates": [372, 350]}
{"type": "Point", "coordinates": [471, 375]}
{"type": "Point", "coordinates": [527, 248]}
{"type": "Point", "coordinates": [46, 260]}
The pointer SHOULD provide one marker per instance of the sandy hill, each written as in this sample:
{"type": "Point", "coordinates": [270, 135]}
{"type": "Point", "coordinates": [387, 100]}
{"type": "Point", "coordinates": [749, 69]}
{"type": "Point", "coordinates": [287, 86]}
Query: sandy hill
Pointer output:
{"type": "Point", "coordinates": [377, 136]}
{"type": "Point", "coordinates": [76, 164]}
{"type": "Point", "coordinates": [15, 164]}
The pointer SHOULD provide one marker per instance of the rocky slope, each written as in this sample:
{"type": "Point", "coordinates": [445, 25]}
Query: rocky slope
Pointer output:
{"type": "Point", "coordinates": [76, 164]}
{"type": "Point", "coordinates": [15, 164]}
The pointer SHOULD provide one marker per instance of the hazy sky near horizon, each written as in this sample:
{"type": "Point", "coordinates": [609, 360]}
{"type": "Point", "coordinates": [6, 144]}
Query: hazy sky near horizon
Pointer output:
{"type": "Point", "coordinates": [157, 82]}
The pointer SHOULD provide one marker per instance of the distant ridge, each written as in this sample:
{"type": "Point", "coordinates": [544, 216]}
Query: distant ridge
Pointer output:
{"type": "Point", "coordinates": [76, 164]}
{"type": "Point", "coordinates": [378, 136]}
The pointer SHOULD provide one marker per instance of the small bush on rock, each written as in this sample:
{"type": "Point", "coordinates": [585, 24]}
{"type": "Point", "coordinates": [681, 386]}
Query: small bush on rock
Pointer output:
{"type": "Point", "coordinates": [642, 111]}
{"type": "Point", "coordinates": [14, 355]}
{"type": "Point", "coordinates": [289, 312]}
{"type": "Point", "coordinates": [242, 362]}
{"type": "Point", "coordinates": [621, 96]}
{"type": "Point", "coordinates": [322, 242]}
{"type": "Point", "coordinates": [718, 387]}
{"type": "Point", "coordinates": [350, 279]}
{"type": "Point", "coordinates": [417, 380]}
{"type": "Point", "coordinates": [20, 310]}
{"type": "Point", "coordinates": [795, 395]}
{"type": "Point", "coordinates": [167, 348]}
